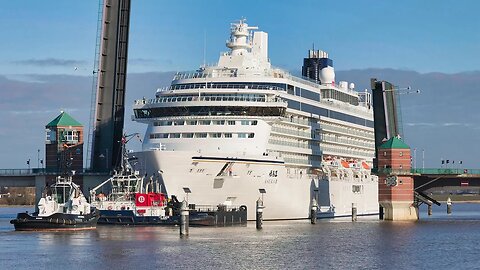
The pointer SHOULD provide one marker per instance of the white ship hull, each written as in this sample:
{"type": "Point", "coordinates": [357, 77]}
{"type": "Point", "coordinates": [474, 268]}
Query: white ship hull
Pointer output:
{"type": "Point", "coordinates": [286, 197]}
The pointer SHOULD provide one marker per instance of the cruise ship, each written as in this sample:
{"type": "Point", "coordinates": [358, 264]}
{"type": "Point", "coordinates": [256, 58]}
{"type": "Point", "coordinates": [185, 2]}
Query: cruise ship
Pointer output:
{"type": "Point", "coordinates": [242, 129]}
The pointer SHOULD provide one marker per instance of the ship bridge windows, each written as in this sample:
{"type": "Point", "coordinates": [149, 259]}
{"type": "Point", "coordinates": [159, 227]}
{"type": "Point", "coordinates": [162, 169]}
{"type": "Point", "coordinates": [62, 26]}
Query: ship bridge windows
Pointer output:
{"type": "Point", "coordinates": [209, 111]}
{"type": "Point", "coordinates": [230, 85]}
{"type": "Point", "coordinates": [202, 135]}
{"type": "Point", "coordinates": [213, 97]}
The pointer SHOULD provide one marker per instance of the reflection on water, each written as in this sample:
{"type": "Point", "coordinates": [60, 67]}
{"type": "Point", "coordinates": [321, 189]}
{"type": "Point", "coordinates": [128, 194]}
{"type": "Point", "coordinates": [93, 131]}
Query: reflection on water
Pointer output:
{"type": "Point", "coordinates": [438, 241]}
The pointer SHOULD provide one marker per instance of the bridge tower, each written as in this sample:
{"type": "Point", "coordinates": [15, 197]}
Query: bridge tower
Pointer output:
{"type": "Point", "coordinates": [64, 145]}
{"type": "Point", "coordinates": [395, 181]}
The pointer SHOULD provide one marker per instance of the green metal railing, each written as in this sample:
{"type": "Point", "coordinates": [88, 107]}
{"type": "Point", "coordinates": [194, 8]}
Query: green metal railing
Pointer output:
{"type": "Point", "coordinates": [438, 171]}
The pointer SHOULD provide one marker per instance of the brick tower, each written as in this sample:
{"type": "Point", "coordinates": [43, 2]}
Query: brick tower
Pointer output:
{"type": "Point", "coordinates": [64, 145]}
{"type": "Point", "coordinates": [395, 181]}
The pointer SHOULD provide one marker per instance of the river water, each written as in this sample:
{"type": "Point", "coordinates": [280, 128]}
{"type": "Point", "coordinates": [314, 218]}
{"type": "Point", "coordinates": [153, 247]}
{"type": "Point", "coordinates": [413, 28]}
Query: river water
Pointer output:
{"type": "Point", "coordinates": [440, 241]}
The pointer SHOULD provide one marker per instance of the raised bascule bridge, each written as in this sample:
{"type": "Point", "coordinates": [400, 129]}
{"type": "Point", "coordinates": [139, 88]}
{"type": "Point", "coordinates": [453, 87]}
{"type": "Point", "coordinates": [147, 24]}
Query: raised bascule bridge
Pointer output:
{"type": "Point", "coordinates": [403, 188]}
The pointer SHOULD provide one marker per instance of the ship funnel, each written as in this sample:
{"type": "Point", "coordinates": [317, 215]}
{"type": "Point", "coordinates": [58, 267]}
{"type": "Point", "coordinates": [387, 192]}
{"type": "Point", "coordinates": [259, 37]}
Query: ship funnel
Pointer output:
{"type": "Point", "coordinates": [318, 67]}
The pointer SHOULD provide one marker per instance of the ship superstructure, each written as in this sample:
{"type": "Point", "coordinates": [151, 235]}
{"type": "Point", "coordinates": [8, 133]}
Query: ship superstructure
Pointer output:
{"type": "Point", "coordinates": [227, 132]}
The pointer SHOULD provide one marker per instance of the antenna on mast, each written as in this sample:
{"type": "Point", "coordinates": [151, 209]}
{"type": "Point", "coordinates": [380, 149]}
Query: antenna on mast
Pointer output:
{"type": "Point", "coordinates": [204, 47]}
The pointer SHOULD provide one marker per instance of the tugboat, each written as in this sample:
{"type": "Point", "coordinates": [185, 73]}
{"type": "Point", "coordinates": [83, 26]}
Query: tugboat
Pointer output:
{"type": "Point", "coordinates": [128, 201]}
{"type": "Point", "coordinates": [62, 207]}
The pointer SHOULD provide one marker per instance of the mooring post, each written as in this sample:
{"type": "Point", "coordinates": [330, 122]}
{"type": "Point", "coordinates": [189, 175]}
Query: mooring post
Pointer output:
{"type": "Point", "coordinates": [313, 212]}
{"type": "Point", "coordinates": [184, 219]}
{"type": "Point", "coordinates": [354, 212]}
{"type": "Point", "coordinates": [259, 214]}
{"type": "Point", "coordinates": [449, 205]}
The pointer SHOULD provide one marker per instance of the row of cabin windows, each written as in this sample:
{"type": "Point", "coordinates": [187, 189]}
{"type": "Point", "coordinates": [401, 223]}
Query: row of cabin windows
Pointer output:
{"type": "Point", "coordinates": [205, 122]}
{"type": "Point", "coordinates": [201, 135]}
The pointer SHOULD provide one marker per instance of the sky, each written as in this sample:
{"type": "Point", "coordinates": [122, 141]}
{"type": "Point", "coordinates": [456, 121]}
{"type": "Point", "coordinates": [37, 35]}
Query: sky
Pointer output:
{"type": "Point", "coordinates": [47, 55]}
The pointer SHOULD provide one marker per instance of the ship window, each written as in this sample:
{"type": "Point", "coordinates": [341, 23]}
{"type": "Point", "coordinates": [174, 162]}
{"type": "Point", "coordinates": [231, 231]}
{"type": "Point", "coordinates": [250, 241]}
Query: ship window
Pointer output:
{"type": "Point", "coordinates": [204, 122]}
{"type": "Point", "coordinates": [231, 123]}
{"type": "Point", "coordinates": [254, 122]}
{"type": "Point", "coordinates": [192, 122]}
{"type": "Point", "coordinates": [215, 135]}
{"type": "Point", "coordinates": [401, 166]}
{"type": "Point", "coordinates": [251, 135]}
{"type": "Point", "coordinates": [401, 154]}
{"type": "Point", "coordinates": [245, 122]}
{"type": "Point", "coordinates": [356, 188]}
{"type": "Point", "coordinates": [219, 122]}
{"type": "Point", "coordinates": [179, 123]}
{"type": "Point", "coordinates": [228, 135]}
{"type": "Point", "coordinates": [163, 123]}
{"type": "Point", "coordinates": [187, 135]}
{"type": "Point", "coordinates": [174, 135]}
{"type": "Point", "coordinates": [200, 135]}
{"type": "Point", "coordinates": [242, 135]}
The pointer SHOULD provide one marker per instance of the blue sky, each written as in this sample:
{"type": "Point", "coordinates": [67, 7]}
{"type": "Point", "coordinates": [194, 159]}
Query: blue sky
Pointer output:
{"type": "Point", "coordinates": [419, 43]}
{"type": "Point", "coordinates": [52, 37]}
